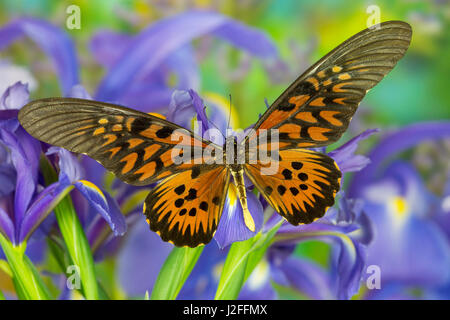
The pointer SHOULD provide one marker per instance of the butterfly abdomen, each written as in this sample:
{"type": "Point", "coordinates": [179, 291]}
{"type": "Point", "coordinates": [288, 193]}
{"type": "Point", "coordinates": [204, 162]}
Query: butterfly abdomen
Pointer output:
{"type": "Point", "coordinates": [237, 171]}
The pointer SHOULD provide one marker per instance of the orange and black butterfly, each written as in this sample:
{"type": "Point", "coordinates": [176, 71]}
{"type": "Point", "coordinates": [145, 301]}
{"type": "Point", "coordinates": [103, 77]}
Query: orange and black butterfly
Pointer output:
{"type": "Point", "coordinates": [186, 205]}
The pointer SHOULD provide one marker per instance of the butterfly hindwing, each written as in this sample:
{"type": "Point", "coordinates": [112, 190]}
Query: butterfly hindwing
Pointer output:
{"type": "Point", "coordinates": [302, 186]}
{"type": "Point", "coordinates": [185, 210]}
{"type": "Point", "coordinates": [136, 146]}
{"type": "Point", "coordinates": [316, 108]}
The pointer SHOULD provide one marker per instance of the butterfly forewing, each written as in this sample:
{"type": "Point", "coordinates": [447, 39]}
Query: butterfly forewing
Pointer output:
{"type": "Point", "coordinates": [139, 148]}
{"type": "Point", "coordinates": [316, 109]}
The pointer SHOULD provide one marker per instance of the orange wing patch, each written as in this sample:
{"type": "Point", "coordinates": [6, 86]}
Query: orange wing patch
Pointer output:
{"type": "Point", "coordinates": [302, 188]}
{"type": "Point", "coordinates": [185, 210]}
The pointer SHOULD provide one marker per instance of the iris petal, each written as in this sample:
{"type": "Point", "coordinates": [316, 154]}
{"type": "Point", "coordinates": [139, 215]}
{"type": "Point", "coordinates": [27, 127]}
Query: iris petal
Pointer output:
{"type": "Point", "coordinates": [15, 97]}
{"type": "Point", "coordinates": [41, 207]}
{"type": "Point", "coordinates": [104, 204]}
{"type": "Point", "coordinates": [232, 226]}
{"type": "Point", "coordinates": [344, 156]}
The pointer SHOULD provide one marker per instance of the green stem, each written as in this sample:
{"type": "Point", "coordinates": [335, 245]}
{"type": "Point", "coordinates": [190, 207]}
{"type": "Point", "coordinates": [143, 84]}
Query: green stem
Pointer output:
{"type": "Point", "coordinates": [29, 284]}
{"type": "Point", "coordinates": [241, 260]}
{"type": "Point", "coordinates": [74, 237]}
{"type": "Point", "coordinates": [174, 272]}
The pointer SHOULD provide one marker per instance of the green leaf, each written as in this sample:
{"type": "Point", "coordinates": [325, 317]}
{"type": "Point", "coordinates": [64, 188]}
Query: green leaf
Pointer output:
{"type": "Point", "coordinates": [28, 283]}
{"type": "Point", "coordinates": [2, 297]}
{"type": "Point", "coordinates": [241, 261]}
{"type": "Point", "coordinates": [174, 272]}
{"type": "Point", "coordinates": [74, 236]}
{"type": "Point", "coordinates": [4, 266]}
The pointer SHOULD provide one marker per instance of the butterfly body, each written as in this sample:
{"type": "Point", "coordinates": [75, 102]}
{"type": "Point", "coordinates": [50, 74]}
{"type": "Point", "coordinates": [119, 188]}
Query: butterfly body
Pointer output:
{"type": "Point", "coordinates": [193, 174]}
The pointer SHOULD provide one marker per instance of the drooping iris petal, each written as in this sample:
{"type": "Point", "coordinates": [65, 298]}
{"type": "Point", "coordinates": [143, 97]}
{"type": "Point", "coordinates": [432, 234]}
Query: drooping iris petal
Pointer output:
{"type": "Point", "coordinates": [345, 158]}
{"type": "Point", "coordinates": [167, 35]}
{"type": "Point", "coordinates": [104, 204]}
{"type": "Point", "coordinates": [41, 207]}
{"type": "Point", "coordinates": [232, 226]}
{"type": "Point", "coordinates": [15, 97]}
{"type": "Point", "coordinates": [52, 40]}
{"type": "Point", "coordinates": [140, 259]}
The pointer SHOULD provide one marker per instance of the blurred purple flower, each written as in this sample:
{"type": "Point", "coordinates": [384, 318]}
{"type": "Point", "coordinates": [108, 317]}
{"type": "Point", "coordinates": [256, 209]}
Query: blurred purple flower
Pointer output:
{"type": "Point", "coordinates": [53, 41]}
{"type": "Point", "coordinates": [141, 257]}
{"type": "Point", "coordinates": [139, 66]}
{"type": "Point", "coordinates": [410, 244]}
{"type": "Point", "coordinates": [409, 248]}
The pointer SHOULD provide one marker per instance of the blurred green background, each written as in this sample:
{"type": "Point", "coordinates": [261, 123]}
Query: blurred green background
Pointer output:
{"type": "Point", "coordinates": [304, 31]}
{"type": "Point", "coordinates": [416, 90]}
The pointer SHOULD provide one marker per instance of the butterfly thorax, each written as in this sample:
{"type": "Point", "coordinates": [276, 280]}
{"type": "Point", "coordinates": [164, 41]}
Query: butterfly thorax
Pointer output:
{"type": "Point", "coordinates": [234, 158]}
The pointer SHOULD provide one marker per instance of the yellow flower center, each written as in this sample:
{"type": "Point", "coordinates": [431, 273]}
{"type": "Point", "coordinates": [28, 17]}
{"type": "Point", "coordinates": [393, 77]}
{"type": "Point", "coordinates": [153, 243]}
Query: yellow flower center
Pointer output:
{"type": "Point", "coordinates": [400, 207]}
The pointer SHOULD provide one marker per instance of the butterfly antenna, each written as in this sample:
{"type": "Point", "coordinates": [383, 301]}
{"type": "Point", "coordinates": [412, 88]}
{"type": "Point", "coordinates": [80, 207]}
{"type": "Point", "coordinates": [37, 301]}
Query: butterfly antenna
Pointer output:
{"type": "Point", "coordinates": [204, 110]}
{"type": "Point", "coordinates": [229, 114]}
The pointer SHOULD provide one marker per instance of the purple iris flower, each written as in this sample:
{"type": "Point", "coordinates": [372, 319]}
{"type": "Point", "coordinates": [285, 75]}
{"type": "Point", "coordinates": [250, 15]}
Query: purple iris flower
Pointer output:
{"type": "Point", "coordinates": [411, 246]}
{"type": "Point", "coordinates": [25, 203]}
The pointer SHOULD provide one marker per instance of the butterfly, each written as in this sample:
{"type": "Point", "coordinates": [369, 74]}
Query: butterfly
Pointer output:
{"type": "Point", "coordinates": [186, 204]}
